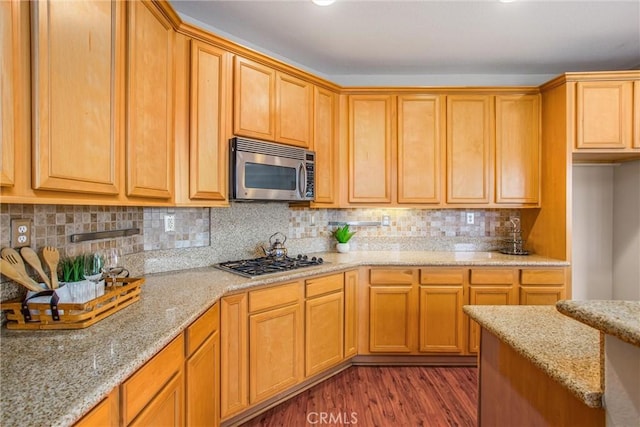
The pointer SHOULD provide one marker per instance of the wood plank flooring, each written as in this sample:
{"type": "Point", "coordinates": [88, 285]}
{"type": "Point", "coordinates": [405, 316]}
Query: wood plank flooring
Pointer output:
{"type": "Point", "coordinates": [381, 396]}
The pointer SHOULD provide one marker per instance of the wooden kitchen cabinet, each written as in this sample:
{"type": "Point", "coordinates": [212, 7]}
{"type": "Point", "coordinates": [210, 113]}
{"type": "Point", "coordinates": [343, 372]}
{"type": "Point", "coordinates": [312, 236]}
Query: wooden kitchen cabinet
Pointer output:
{"type": "Point", "coordinates": [604, 114]}
{"type": "Point", "coordinates": [156, 391]}
{"type": "Point", "coordinates": [469, 149]}
{"type": "Point", "coordinates": [350, 313]}
{"type": "Point", "coordinates": [420, 148]}
{"type": "Point", "coordinates": [490, 286]}
{"type": "Point", "coordinates": [203, 370]}
{"type": "Point", "coordinates": [441, 318]}
{"type": "Point", "coordinates": [517, 170]}
{"type": "Point", "coordinates": [324, 144]}
{"type": "Point", "coordinates": [78, 96]}
{"type": "Point", "coordinates": [234, 353]}
{"type": "Point", "coordinates": [392, 310]}
{"type": "Point", "coordinates": [294, 110]}
{"type": "Point", "coordinates": [370, 153]}
{"type": "Point", "coordinates": [276, 340]}
{"type": "Point", "coordinates": [150, 103]}
{"type": "Point", "coordinates": [324, 323]}
{"type": "Point", "coordinates": [635, 143]}
{"type": "Point", "coordinates": [104, 414]}
{"type": "Point", "coordinates": [542, 286]}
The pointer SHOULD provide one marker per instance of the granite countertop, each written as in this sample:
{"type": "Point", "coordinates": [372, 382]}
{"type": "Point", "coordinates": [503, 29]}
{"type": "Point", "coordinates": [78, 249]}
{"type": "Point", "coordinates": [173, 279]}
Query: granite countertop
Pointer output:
{"type": "Point", "coordinates": [565, 349]}
{"type": "Point", "coordinates": [613, 317]}
{"type": "Point", "coordinates": [54, 377]}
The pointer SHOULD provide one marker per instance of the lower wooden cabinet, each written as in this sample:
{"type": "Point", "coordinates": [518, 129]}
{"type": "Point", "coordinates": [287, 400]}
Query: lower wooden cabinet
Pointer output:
{"type": "Point", "coordinates": [234, 349]}
{"type": "Point", "coordinates": [166, 408]}
{"type": "Point", "coordinates": [542, 286]}
{"type": "Point", "coordinates": [350, 313]}
{"type": "Point", "coordinates": [104, 414]}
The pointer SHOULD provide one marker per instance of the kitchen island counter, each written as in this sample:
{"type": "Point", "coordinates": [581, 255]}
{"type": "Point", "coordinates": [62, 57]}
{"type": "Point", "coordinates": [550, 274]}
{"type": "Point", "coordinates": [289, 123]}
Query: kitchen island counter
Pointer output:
{"type": "Point", "coordinates": [54, 377]}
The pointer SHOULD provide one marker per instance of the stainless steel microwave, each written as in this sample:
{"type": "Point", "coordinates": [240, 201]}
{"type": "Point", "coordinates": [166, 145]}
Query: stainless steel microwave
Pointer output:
{"type": "Point", "coordinates": [268, 171]}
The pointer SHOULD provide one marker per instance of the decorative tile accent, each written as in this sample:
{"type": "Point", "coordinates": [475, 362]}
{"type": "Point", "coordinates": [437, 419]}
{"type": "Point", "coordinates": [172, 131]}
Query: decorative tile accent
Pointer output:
{"type": "Point", "coordinates": [191, 228]}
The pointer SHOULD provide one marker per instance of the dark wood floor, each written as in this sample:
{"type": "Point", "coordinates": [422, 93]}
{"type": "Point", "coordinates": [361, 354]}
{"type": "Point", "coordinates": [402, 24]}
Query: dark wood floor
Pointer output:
{"type": "Point", "coordinates": [397, 396]}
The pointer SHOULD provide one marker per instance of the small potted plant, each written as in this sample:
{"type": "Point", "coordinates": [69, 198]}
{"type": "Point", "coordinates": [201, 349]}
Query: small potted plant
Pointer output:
{"type": "Point", "coordinates": [343, 235]}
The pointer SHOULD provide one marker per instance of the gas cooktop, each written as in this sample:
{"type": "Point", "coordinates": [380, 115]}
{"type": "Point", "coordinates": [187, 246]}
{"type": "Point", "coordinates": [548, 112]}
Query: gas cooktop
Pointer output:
{"type": "Point", "coordinates": [267, 265]}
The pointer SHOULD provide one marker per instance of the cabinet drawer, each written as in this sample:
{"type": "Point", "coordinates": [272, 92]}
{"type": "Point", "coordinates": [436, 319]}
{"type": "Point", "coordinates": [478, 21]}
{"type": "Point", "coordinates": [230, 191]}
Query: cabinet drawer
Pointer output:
{"type": "Point", "coordinates": [277, 296]}
{"type": "Point", "coordinates": [383, 276]}
{"type": "Point", "coordinates": [492, 277]}
{"type": "Point", "coordinates": [204, 326]}
{"type": "Point", "coordinates": [441, 276]}
{"type": "Point", "coordinates": [143, 386]}
{"type": "Point", "coordinates": [324, 285]}
{"type": "Point", "coordinates": [542, 277]}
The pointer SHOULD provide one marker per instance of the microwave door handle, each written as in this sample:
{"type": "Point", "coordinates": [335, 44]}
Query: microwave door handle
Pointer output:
{"type": "Point", "coordinates": [302, 180]}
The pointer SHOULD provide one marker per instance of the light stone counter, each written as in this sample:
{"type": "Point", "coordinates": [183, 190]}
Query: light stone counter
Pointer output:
{"type": "Point", "coordinates": [54, 377]}
{"type": "Point", "coordinates": [566, 350]}
{"type": "Point", "coordinates": [613, 317]}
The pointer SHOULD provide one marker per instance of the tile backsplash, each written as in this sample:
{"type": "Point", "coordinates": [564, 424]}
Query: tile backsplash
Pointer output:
{"type": "Point", "coordinates": [205, 236]}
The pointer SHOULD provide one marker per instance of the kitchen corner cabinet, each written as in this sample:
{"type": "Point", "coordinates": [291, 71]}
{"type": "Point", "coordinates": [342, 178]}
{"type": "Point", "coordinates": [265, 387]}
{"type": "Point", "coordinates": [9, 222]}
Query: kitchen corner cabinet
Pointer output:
{"type": "Point", "coordinates": [324, 323]}
{"type": "Point", "coordinates": [155, 393]}
{"type": "Point", "coordinates": [324, 144]}
{"type": "Point", "coordinates": [150, 103]}
{"type": "Point", "coordinates": [441, 318]}
{"type": "Point", "coordinates": [517, 149]}
{"type": "Point", "coordinates": [370, 148]}
{"type": "Point", "coordinates": [276, 340]}
{"type": "Point", "coordinates": [490, 286]}
{"type": "Point", "coordinates": [420, 148]}
{"type": "Point", "coordinates": [469, 149]}
{"type": "Point", "coordinates": [234, 351]}
{"type": "Point", "coordinates": [271, 105]}
{"type": "Point", "coordinates": [351, 313]}
{"type": "Point", "coordinates": [392, 310]}
{"type": "Point", "coordinates": [604, 114]}
{"type": "Point", "coordinates": [78, 96]}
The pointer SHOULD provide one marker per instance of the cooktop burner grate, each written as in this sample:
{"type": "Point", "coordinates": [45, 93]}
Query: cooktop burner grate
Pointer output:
{"type": "Point", "coordinates": [266, 265]}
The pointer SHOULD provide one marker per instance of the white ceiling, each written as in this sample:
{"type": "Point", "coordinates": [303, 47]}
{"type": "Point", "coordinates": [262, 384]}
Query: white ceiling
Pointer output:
{"type": "Point", "coordinates": [430, 42]}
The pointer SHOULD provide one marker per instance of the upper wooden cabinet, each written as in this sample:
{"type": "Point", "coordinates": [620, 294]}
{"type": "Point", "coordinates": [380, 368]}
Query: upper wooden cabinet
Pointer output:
{"type": "Point", "coordinates": [604, 114]}
{"type": "Point", "coordinates": [271, 105]}
{"type": "Point", "coordinates": [9, 57]}
{"type": "Point", "coordinates": [420, 148]}
{"type": "Point", "coordinates": [150, 112]}
{"type": "Point", "coordinates": [371, 155]}
{"type": "Point", "coordinates": [78, 78]}
{"type": "Point", "coordinates": [324, 144]}
{"type": "Point", "coordinates": [469, 148]}
{"type": "Point", "coordinates": [518, 149]}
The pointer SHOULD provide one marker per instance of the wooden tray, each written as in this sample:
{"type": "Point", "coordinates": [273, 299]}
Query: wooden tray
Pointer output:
{"type": "Point", "coordinates": [74, 315]}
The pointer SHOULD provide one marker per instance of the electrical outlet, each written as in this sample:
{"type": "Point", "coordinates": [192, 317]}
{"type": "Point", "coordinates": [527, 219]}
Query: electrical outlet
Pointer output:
{"type": "Point", "coordinates": [169, 223]}
{"type": "Point", "coordinates": [470, 218]}
{"type": "Point", "coordinates": [20, 233]}
{"type": "Point", "coordinates": [385, 220]}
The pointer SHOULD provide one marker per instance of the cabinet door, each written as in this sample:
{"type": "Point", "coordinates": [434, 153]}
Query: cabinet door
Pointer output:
{"type": "Point", "coordinates": [636, 115]}
{"type": "Point", "coordinates": [392, 318]}
{"type": "Point", "coordinates": [167, 408]}
{"type": "Point", "coordinates": [254, 110]}
{"type": "Point", "coordinates": [294, 110]}
{"type": "Point", "coordinates": [542, 286]}
{"type": "Point", "coordinates": [518, 149]}
{"type": "Point", "coordinates": [324, 146]}
{"type": "Point", "coordinates": [324, 329]}
{"type": "Point", "coordinates": [350, 313]}
{"type": "Point", "coordinates": [469, 148]}
{"type": "Point", "coordinates": [208, 144]}
{"type": "Point", "coordinates": [370, 148]}
{"type": "Point", "coordinates": [419, 149]}
{"type": "Point", "coordinates": [78, 78]}
{"type": "Point", "coordinates": [9, 54]}
{"type": "Point", "coordinates": [487, 295]}
{"type": "Point", "coordinates": [604, 114]}
{"type": "Point", "coordinates": [441, 326]}
{"type": "Point", "coordinates": [275, 351]}
{"type": "Point", "coordinates": [150, 103]}
{"type": "Point", "coordinates": [104, 414]}
{"type": "Point", "coordinates": [234, 377]}
{"type": "Point", "coordinates": [203, 384]}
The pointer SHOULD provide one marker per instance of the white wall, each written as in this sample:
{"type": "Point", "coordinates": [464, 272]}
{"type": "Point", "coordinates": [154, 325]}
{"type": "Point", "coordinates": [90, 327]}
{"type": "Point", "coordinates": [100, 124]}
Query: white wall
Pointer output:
{"type": "Point", "coordinates": [592, 232]}
{"type": "Point", "coordinates": [626, 231]}
{"type": "Point", "coordinates": [621, 383]}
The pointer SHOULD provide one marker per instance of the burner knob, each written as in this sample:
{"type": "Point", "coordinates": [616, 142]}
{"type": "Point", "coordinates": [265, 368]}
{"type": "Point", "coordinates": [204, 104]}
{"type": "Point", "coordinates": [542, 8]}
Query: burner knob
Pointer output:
{"type": "Point", "coordinates": [299, 256]}
{"type": "Point", "coordinates": [320, 260]}
{"type": "Point", "coordinates": [305, 257]}
{"type": "Point", "coordinates": [313, 259]}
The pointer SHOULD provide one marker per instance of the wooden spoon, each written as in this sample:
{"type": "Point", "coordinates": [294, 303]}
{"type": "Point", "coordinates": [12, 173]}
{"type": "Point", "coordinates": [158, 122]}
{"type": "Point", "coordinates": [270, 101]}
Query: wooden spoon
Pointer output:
{"type": "Point", "coordinates": [32, 259]}
{"type": "Point", "coordinates": [52, 257]}
{"type": "Point", "coordinates": [14, 258]}
{"type": "Point", "coordinates": [8, 270]}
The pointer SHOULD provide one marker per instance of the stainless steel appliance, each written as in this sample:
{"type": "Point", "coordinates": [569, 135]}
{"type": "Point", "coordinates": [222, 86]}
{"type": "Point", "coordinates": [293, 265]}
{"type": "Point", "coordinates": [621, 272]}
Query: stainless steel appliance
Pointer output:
{"type": "Point", "coordinates": [267, 265]}
{"type": "Point", "coordinates": [267, 171]}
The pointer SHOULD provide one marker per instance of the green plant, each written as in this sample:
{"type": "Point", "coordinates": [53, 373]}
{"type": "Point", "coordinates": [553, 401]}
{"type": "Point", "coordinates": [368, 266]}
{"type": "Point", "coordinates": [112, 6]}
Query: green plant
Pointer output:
{"type": "Point", "coordinates": [342, 234]}
{"type": "Point", "coordinates": [72, 269]}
